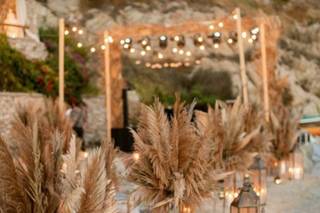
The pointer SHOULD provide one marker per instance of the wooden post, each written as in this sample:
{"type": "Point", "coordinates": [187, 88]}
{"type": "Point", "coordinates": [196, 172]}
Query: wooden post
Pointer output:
{"type": "Point", "coordinates": [61, 64]}
{"type": "Point", "coordinates": [264, 72]}
{"type": "Point", "coordinates": [107, 85]}
{"type": "Point", "coordinates": [243, 74]}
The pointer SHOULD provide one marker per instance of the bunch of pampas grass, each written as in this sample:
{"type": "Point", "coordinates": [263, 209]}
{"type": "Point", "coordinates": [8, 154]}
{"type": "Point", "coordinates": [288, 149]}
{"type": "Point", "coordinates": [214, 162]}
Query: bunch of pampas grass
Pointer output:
{"type": "Point", "coordinates": [284, 126]}
{"type": "Point", "coordinates": [43, 172]}
{"type": "Point", "coordinates": [174, 169]}
{"type": "Point", "coordinates": [235, 137]}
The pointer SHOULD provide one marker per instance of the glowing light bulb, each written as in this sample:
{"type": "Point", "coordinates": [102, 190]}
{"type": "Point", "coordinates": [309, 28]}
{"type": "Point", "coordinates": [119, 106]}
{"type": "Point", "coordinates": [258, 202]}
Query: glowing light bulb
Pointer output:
{"type": "Point", "coordinates": [230, 40]}
{"type": "Point", "coordinates": [244, 35]}
{"type": "Point", "coordinates": [109, 40]}
{"type": "Point", "coordinates": [136, 156]}
{"type": "Point", "coordinates": [79, 45]}
{"type": "Point", "coordinates": [220, 24]}
{"type": "Point", "coordinates": [138, 62]}
{"type": "Point", "coordinates": [211, 27]}
{"type": "Point", "coordinates": [122, 42]}
{"type": "Point", "coordinates": [188, 53]}
{"type": "Point", "coordinates": [181, 52]}
{"type": "Point", "coordinates": [148, 64]}
{"type": "Point", "coordinates": [254, 37]}
{"type": "Point", "coordinates": [132, 50]}
{"type": "Point", "coordinates": [217, 34]}
{"type": "Point", "coordinates": [250, 40]}
{"type": "Point", "coordinates": [74, 29]}
{"type": "Point", "coordinates": [103, 47]}
{"type": "Point", "coordinates": [143, 53]}
{"type": "Point", "coordinates": [235, 16]}
{"type": "Point", "coordinates": [92, 49]}
{"type": "Point", "coordinates": [202, 47]}
{"type": "Point", "coordinates": [174, 50]}
{"type": "Point", "coordinates": [80, 32]}
{"type": "Point", "coordinates": [255, 30]}
{"type": "Point", "coordinates": [66, 32]}
{"type": "Point", "coordinates": [216, 46]}
{"type": "Point", "coordinates": [160, 56]}
{"type": "Point", "coordinates": [148, 48]}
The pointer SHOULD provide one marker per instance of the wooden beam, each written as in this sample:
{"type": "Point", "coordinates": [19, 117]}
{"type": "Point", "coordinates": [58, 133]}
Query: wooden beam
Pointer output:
{"type": "Point", "coordinates": [264, 72]}
{"type": "Point", "coordinates": [61, 65]}
{"type": "Point", "coordinates": [244, 80]}
{"type": "Point", "coordinates": [107, 85]}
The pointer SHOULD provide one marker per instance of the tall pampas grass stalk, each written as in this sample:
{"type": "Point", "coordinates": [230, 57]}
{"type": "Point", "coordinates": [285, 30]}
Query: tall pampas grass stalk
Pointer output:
{"type": "Point", "coordinates": [42, 171]}
{"type": "Point", "coordinates": [232, 139]}
{"type": "Point", "coordinates": [173, 170]}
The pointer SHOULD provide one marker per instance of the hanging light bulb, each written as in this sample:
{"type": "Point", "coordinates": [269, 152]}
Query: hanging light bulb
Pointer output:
{"type": "Point", "coordinates": [143, 53]}
{"type": "Point", "coordinates": [74, 29]}
{"type": "Point", "coordinates": [202, 47]}
{"type": "Point", "coordinates": [79, 45]}
{"type": "Point", "coordinates": [216, 45]}
{"type": "Point", "coordinates": [221, 24]}
{"type": "Point", "coordinates": [132, 50]}
{"type": "Point", "coordinates": [198, 61]}
{"type": "Point", "coordinates": [181, 52]}
{"type": "Point", "coordinates": [160, 56]}
{"type": "Point", "coordinates": [180, 39]}
{"type": "Point", "coordinates": [109, 40]}
{"type": "Point", "coordinates": [216, 37]}
{"type": "Point", "coordinates": [211, 27]}
{"type": "Point", "coordinates": [198, 40]}
{"type": "Point", "coordinates": [148, 48]}
{"type": "Point", "coordinates": [138, 62]}
{"type": "Point", "coordinates": [250, 40]}
{"type": "Point", "coordinates": [235, 16]}
{"type": "Point", "coordinates": [148, 64]}
{"type": "Point", "coordinates": [103, 47]}
{"type": "Point", "coordinates": [174, 50]}
{"type": "Point", "coordinates": [233, 37]}
{"type": "Point", "coordinates": [122, 42]}
{"type": "Point", "coordinates": [66, 32]}
{"type": "Point", "coordinates": [188, 53]}
{"type": "Point", "coordinates": [163, 41]}
{"type": "Point", "coordinates": [145, 42]}
{"type": "Point", "coordinates": [244, 35]}
{"type": "Point", "coordinates": [92, 49]}
{"type": "Point", "coordinates": [80, 32]}
{"type": "Point", "coordinates": [255, 30]}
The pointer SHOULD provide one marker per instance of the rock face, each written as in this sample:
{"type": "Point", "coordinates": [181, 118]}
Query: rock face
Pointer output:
{"type": "Point", "coordinates": [32, 49]}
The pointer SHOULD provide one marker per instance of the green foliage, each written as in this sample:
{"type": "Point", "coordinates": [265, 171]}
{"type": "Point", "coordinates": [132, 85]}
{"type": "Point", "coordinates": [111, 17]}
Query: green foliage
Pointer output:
{"type": "Point", "coordinates": [19, 74]}
{"type": "Point", "coordinates": [205, 86]}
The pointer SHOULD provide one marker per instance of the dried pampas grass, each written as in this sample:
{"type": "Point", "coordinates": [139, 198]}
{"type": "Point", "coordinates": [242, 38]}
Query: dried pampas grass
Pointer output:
{"type": "Point", "coordinates": [43, 173]}
{"type": "Point", "coordinates": [284, 125]}
{"type": "Point", "coordinates": [173, 169]}
{"type": "Point", "coordinates": [233, 133]}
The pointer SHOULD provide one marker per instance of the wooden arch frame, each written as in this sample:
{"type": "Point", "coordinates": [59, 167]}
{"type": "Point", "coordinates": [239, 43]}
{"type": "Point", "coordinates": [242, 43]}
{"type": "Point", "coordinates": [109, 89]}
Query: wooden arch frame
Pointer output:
{"type": "Point", "coordinates": [114, 82]}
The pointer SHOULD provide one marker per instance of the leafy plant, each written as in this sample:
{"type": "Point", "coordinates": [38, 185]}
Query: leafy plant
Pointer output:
{"type": "Point", "coordinates": [22, 75]}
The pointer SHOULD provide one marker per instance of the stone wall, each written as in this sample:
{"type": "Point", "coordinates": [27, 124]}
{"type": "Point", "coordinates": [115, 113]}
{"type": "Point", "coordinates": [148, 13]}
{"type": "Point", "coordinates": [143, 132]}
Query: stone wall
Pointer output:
{"type": "Point", "coordinates": [94, 130]}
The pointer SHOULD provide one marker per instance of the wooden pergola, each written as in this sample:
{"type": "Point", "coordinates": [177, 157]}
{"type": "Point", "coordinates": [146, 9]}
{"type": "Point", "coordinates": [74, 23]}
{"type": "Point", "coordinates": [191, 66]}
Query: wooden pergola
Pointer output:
{"type": "Point", "coordinates": [114, 82]}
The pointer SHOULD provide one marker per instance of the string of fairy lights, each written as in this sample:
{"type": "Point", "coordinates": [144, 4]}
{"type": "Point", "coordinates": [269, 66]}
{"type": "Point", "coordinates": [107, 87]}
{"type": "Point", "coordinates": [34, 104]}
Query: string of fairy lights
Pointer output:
{"type": "Point", "coordinates": [157, 52]}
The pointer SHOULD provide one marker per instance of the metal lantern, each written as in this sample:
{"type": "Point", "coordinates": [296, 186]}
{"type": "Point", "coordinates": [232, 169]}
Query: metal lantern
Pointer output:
{"type": "Point", "coordinates": [247, 201]}
{"type": "Point", "coordinates": [232, 184]}
{"type": "Point", "coordinates": [295, 165]}
{"type": "Point", "coordinates": [258, 174]}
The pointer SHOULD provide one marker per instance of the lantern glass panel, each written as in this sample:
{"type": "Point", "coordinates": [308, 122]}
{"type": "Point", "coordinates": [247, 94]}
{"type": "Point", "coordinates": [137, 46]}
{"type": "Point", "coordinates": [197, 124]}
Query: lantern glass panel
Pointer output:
{"type": "Point", "coordinates": [244, 210]}
{"type": "Point", "coordinates": [259, 182]}
{"type": "Point", "coordinates": [295, 165]}
{"type": "Point", "coordinates": [232, 184]}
